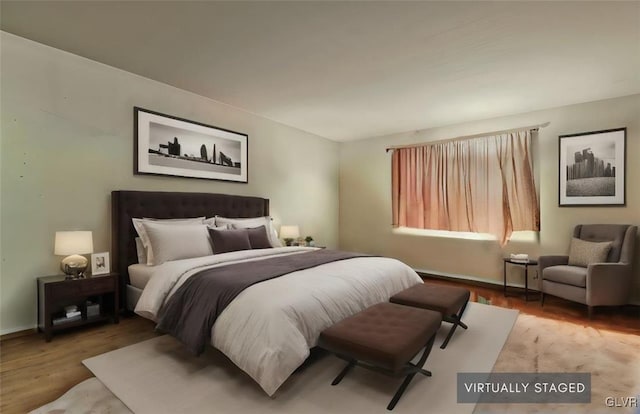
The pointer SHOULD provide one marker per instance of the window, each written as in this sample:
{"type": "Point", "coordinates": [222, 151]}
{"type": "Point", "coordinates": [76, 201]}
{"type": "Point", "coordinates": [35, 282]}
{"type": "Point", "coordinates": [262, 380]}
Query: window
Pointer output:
{"type": "Point", "coordinates": [479, 185]}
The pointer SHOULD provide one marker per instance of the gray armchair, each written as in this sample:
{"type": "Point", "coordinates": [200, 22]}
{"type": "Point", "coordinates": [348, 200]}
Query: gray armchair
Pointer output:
{"type": "Point", "coordinates": [599, 284]}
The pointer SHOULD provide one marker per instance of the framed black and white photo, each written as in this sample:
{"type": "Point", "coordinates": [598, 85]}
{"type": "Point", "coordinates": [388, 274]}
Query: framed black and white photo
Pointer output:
{"type": "Point", "coordinates": [168, 145]}
{"type": "Point", "coordinates": [100, 263]}
{"type": "Point", "coordinates": [592, 168]}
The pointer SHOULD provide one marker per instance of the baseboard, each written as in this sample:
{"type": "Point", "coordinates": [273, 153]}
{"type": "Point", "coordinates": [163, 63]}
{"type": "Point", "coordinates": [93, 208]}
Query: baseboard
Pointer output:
{"type": "Point", "coordinates": [482, 281]}
{"type": "Point", "coordinates": [16, 332]}
{"type": "Point", "coordinates": [475, 279]}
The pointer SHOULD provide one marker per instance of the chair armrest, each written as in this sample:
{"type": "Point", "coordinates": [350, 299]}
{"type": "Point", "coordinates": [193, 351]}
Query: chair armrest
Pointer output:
{"type": "Point", "coordinates": [547, 261]}
{"type": "Point", "coordinates": [608, 283]}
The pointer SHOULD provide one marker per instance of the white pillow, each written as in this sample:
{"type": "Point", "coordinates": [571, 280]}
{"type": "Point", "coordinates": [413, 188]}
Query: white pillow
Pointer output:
{"type": "Point", "coordinates": [175, 242]}
{"type": "Point", "coordinates": [245, 223]}
{"type": "Point", "coordinates": [141, 251]}
{"type": "Point", "coordinates": [138, 224]}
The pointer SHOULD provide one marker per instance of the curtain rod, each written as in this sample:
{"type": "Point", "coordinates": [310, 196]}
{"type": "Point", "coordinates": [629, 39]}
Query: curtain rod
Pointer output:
{"type": "Point", "coordinates": [484, 134]}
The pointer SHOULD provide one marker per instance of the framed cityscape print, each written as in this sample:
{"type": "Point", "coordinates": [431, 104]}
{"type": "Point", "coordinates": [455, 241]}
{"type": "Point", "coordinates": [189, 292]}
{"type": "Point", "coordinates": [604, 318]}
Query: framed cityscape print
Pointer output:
{"type": "Point", "coordinates": [592, 168]}
{"type": "Point", "coordinates": [168, 145]}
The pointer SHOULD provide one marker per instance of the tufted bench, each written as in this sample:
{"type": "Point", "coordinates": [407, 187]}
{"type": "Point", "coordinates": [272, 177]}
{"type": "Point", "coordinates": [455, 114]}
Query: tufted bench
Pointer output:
{"type": "Point", "coordinates": [450, 301]}
{"type": "Point", "coordinates": [384, 338]}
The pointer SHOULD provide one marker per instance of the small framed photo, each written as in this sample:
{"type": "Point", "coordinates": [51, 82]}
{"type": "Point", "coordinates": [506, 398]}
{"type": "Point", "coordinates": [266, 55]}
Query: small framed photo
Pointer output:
{"type": "Point", "coordinates": [592, 168]}
{"type": "Point", "coordinates": [100, 263]}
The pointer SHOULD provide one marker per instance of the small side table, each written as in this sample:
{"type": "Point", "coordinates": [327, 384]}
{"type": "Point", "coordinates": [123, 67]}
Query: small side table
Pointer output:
{"type": "Point", "coordinates": [526, 273]}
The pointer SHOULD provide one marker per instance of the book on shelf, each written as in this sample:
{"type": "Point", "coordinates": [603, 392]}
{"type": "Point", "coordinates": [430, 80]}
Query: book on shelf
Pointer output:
{"type": "Point", "coordinates": [63, 319]}
{"type": "Point", "coordinates": [71, 308]}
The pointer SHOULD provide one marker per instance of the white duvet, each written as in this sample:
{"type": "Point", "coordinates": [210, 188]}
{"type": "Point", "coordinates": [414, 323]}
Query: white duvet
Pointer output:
{"type": "Point", "coordinates": [268, 329]}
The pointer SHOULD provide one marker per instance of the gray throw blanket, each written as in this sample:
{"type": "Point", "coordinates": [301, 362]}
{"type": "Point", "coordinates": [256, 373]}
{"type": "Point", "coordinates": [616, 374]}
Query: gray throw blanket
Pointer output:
{"type": "Point", "coordinates": [191, 312]}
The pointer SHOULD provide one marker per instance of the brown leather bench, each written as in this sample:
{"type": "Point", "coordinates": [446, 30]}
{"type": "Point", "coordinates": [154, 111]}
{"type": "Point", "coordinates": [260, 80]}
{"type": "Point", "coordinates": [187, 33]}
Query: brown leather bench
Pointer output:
{"type": "Point", "coordinates": [450, 301]}
{"type": "Point", "coordinates": [384, 338]}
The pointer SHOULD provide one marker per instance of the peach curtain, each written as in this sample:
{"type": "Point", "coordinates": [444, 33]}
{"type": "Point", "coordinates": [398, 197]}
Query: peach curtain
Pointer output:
{"type": "Point", "coordinates": [482, 185]}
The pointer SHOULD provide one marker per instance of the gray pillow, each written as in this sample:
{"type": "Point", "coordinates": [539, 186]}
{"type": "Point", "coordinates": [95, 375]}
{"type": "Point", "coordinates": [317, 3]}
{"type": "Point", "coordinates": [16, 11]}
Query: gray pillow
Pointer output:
{"type": "Point", "coordinates": [229, 240]}
{"type": "Point", "coordinates": [244, 223]}
{"type": "Point", "coordinates": [258, 238]}
{"type": "Point", "coordinates": [583, 253]}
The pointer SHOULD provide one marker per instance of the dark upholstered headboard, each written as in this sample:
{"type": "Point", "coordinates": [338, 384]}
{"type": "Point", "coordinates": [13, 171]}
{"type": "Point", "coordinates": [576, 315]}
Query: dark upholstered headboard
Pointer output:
{"type": "Point", "coordinates": [126, 205]}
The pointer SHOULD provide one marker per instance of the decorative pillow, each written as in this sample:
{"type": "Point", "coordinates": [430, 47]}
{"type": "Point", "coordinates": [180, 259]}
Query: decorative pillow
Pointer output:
{"type": "Point", "coordinates": [247, 223]}
{"type": "Point", "coordinates": [174, 242]}
{"type": "Point", "coordinates": [582, 253]}
{"type": "Point", "coordinates": [141, 251]}
{"type": "Point", "coordinates": [138, 224]}
{"type": "Point", "coordinates": [258, 237]}
{"type": "Point", "coordinates": [229, 240]}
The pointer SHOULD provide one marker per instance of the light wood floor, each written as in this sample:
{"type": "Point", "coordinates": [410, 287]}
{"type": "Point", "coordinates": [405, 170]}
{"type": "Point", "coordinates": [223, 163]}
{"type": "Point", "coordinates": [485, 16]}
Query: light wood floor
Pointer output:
{"type": "Point", "coordinates": [34, 372]}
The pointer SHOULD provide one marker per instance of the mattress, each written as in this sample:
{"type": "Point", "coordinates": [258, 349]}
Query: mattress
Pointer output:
{"type": "Point", "coordinates": [140, 274]}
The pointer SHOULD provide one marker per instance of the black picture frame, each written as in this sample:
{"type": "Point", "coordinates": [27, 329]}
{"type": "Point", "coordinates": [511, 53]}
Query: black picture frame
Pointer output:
{"type": "Point", "coordinates": [173, 146]}
{"type": "Point", "coordinates": [592, 168]}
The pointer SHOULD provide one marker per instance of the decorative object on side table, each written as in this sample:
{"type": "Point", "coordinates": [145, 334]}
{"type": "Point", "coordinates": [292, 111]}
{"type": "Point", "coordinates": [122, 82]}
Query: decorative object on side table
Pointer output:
{"type": "Point", "coordinates": [309, 241]}
{"type": "Point", "coordinates": [519, 257]}
{"type": "Point", "coordinates": [592, 168]}
{"type": "Point", "coordinates": [168, 145]}
{"type": "Point", "coordinates": [289, 233]}
{"type": "Point", "coordinates": [64, 303]}
{"type": "Point", "coordinates": [73, 244]}
{"type": "Point", "coordinates": [100, 263]}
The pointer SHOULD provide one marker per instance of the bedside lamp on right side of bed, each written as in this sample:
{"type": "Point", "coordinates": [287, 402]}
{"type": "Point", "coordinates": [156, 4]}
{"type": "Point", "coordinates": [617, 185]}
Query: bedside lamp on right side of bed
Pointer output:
{"type": "Point", "coordinates": [289, 233]}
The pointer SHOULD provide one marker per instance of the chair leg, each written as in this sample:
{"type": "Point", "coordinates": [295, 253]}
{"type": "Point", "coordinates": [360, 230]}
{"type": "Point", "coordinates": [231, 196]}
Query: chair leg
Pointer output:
{"type": "Point", "coordinates": [541, 299]}
{"type": "Point", "coordinates": [455, 320]}
{"type": "Point", "coordinates": [590, 312]}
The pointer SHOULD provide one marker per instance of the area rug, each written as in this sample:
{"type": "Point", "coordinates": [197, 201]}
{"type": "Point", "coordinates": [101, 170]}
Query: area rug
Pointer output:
{"type": "Point", "coordinates": [90, 396]}
{"type": "Point", "coordinates": [546, 345]}
{"type": "Point", "coordinates": [158, 376]}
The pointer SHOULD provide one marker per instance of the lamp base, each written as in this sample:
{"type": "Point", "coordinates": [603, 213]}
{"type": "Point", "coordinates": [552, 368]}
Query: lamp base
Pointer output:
{"type": "Point", "coordinates": [74, 266]}
{"type": "Point", "coordinates": [288, 241]}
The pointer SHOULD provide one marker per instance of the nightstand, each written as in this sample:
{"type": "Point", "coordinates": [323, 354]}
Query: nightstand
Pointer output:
{"type": "Point", "coordinates": [56, 292]}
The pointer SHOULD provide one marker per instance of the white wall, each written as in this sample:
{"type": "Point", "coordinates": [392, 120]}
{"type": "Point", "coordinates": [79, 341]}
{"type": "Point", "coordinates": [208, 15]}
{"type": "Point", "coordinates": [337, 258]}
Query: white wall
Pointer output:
{"type": "Point", "coordinates": [67, 142]}
{"type": "Point", "coordinates": [365, 193]}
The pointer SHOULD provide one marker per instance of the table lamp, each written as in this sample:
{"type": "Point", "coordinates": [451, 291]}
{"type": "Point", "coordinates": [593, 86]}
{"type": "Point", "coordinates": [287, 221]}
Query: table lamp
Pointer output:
{"type": "Point", "coordinates": [73, 244]}
{"type": "Point", "coordinates": [289, 233]}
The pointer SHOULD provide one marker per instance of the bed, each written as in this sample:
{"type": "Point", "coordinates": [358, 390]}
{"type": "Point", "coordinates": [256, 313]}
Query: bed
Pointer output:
{"type": "Point", "coordinates": [270, 327]}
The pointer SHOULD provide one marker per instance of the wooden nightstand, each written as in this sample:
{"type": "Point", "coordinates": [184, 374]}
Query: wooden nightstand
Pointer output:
{"type": "Point", "coordinates": [54, 293]}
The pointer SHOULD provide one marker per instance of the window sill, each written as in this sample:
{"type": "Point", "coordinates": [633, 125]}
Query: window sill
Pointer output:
{"type": "Point", "coordinates": [516, 236]}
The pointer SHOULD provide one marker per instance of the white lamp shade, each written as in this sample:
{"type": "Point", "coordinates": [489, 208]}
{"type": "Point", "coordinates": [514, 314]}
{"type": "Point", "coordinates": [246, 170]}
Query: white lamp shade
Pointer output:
{"type": "Point", "coordinates": [73, 242]}
{"type": "Point", "coordinates": [289, 232]}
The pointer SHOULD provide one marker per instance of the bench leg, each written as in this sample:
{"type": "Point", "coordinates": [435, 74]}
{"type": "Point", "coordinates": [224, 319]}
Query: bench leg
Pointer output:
{"type": "Point", "coordinates": [400, 391]}
{"type": "Point", "coordinates": [414, 369]}
{"type": "Point", "coordinates": [455, 320]}
{"type": "Point", "coordinates": [350, 365]}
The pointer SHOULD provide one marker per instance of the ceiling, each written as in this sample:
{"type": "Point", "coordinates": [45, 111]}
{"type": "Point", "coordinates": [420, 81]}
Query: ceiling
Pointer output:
{"type": "Point", "coordinates": [350, 70]}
